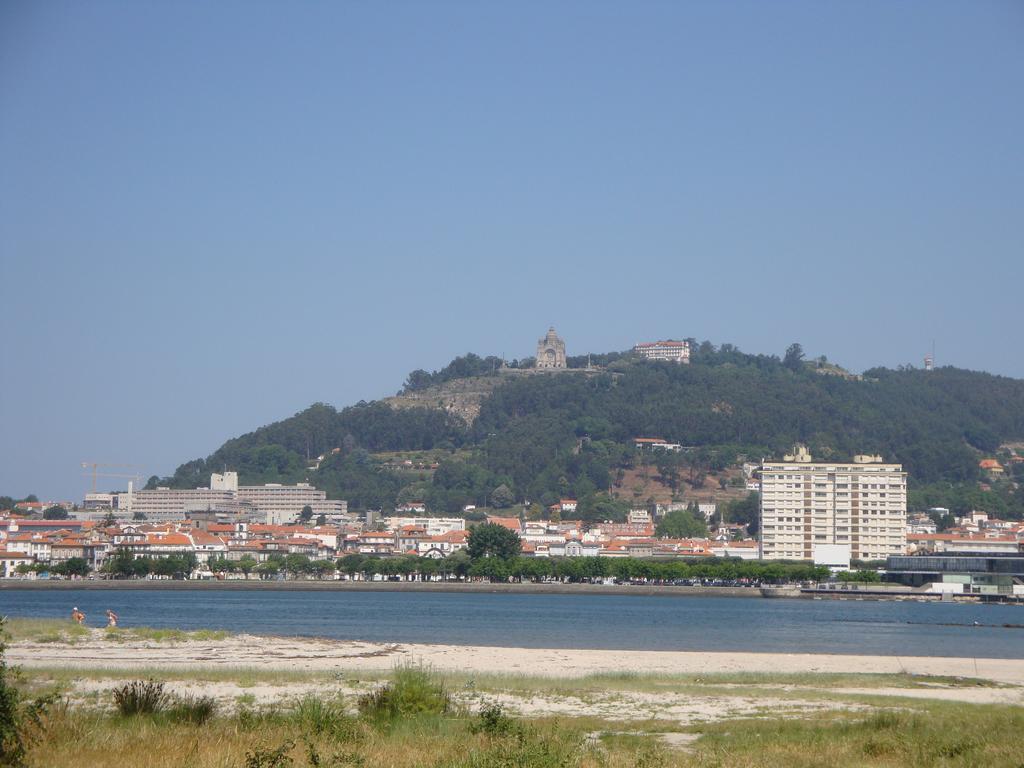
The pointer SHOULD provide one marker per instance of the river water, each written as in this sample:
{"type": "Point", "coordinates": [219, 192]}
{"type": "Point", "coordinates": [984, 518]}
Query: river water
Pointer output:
{"type": "Point", "coordinates": [559, 621]}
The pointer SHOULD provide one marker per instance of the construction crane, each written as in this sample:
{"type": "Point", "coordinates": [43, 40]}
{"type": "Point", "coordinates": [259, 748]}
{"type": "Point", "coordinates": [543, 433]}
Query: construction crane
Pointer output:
{"type": "Point", "coordinates": [95, 465]}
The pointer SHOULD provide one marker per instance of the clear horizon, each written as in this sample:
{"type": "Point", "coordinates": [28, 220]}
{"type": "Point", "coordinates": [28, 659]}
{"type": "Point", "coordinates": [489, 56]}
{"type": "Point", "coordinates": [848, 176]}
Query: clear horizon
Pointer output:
{"type": "Point", "coordinates": [213, 216]}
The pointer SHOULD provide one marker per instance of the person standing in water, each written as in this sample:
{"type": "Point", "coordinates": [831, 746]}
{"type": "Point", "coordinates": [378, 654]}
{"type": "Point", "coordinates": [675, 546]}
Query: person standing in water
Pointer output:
{"type": "Point", "coordinates": [111, 618]}
{"type": "Point", "coordinates": [77, 616]}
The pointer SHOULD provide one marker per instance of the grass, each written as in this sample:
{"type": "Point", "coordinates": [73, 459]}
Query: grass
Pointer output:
{"type": "Point", "coordinates": [152, 634]}
{"type": "Point", "coordinates": [23, 630]}
{"type": "Point", "coordinates": [410, 722]}
{"type": "Point", "coordinates": [140, 697]}
{"type": "Point", "coordinates": [413, 690]}
{"type": "Point", "coordinates": [952, 736]}
{"type": "Point", "coordinates": [513, 683]}
{"type": "Point", "coordinates": [45, 630]}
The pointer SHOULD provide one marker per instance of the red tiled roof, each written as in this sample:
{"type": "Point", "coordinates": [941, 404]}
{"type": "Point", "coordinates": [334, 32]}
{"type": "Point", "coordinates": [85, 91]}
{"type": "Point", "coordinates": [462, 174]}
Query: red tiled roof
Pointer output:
{"type": "Point", "coordinates": [512, 523]}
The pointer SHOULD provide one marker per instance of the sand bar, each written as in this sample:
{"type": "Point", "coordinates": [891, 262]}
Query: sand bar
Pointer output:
{"type": "Point", "coordinates": [336, 656]}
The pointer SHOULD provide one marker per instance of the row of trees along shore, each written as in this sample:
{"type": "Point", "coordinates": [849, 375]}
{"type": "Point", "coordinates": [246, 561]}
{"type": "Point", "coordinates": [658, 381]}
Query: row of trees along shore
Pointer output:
{"type": "Point", "coordinates": [460, 566]}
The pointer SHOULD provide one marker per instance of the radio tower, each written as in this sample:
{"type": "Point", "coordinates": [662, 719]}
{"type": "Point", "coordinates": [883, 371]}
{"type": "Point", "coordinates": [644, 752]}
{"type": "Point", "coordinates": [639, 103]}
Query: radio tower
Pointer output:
{"type": "Point", "coordinates": [929, 359]}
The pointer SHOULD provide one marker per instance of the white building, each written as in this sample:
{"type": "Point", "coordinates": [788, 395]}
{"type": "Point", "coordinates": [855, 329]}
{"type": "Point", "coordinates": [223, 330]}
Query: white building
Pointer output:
{"type": "Point", "coordinates": [10, 560]}
{"type": "Point", "coordinates": [275, 503]}
{"type": "Point", "coordinates": [671, 351]}
{"type": "Point", "coordinates": [99, 501]}
{"type": "Point", "coordinates": [226, 482]}
{"type": "Point", "coordinates": [805, 505]}
{"type": "Point", "coordinates": [173, 503]}
{"type": "Point", "coordinates": [433, 526]}
{"type": "Point", "coordinates": [282, 503]}
{"type": "Point", "coordinates": [639, 517]}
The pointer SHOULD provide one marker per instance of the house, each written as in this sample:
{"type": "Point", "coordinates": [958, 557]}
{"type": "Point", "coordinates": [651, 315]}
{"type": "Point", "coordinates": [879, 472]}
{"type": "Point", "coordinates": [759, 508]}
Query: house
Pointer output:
{"type": "Point", "coordinates": [639, 517]}
{"type": "Point", "coordinates": [415, 507]}
{"type": "Point", "coordinates": [32, 544]}
{"type": "Point", "coordinates": [573, 547]}
{"type": "Point", "coordinates": [656, 444]}
{"type": "Point", "coordinates": [623, 530]}
{"type": "Point", "coordinates": [991, 466]}
{"type": "Point", "coordinates": [207, 546]}
{"type": "Point", "coordinates": [921, 524]}
{"type": "Point", "coordinates": [409, 537]}
{"type": "Point", "coordinates": [9, 561]}
{"type": "Point", "coordinates": [376, 543]}
{"type": "Point", "coordinates": [640, 548]}
{"type": "Point", "coordinates": [442, 545]}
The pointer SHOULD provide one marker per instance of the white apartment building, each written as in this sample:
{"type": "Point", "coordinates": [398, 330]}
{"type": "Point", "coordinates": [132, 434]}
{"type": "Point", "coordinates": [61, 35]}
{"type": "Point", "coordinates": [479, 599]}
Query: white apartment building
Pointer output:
{"type": "Point", "coordinates": [805, 505]}
{"type": "Point", "coordinates": [672, 351]}
{"type": "Point", "coordinates": [283, 503]}
{"type": "Point", "coordinates": [276, 503]}
{"type": "Point", "coordinates": [173, 503]}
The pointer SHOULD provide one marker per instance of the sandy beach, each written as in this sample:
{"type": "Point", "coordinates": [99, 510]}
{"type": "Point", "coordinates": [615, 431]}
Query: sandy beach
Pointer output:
{"type": "Point", "coordinates": [291, 653]}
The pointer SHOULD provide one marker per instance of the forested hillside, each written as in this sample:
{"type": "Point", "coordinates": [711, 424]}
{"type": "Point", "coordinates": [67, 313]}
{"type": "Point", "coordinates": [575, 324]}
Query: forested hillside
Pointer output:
{"type": "Point", "coordinates": [539, 437]}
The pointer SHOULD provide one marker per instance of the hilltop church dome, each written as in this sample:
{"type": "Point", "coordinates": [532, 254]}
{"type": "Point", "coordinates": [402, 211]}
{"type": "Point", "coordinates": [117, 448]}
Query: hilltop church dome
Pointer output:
{"type": "Point", "coordinates": [551, 351]}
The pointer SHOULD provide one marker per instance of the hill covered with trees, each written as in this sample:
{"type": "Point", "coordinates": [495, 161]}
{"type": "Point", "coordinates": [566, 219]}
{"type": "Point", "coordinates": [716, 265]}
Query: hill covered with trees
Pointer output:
{"type": "Point", "coordinates": [539, 437]}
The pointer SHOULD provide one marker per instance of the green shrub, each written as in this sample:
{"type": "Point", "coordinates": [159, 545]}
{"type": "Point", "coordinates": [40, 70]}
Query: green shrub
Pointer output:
{"type": "Point", "coordinates": [140, 697]}
{"type": "Point", "coordinates": [21, 723]}
{"type": "Point", "coordinates": [413, 690]}
{"type": "Point", "coordinates": [189, 708]}
{"type": "Point", "coordinates": [337, 760]}
{"type": "Point", "coordinates": [528, 748]}
{"type": "Point", "coordinates": [270, 758]}
{"type": "Point", "coordinates": [493, 721]}
{"type": "Point", "coordinates": [12, 746]}
{"type": "Point", "coordinates": [325, 716]}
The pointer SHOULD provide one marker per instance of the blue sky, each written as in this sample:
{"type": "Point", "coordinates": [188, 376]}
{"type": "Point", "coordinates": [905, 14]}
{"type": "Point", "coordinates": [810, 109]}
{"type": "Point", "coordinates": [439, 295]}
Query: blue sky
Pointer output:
{"type": "Point", "coordinates": [215, 214]}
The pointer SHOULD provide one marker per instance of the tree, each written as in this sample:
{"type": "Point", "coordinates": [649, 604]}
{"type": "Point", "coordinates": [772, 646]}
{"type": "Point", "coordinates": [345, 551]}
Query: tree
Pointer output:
{"type": "Point", "coordinates": [492, 540]}
{"type": "Point", "coordinates": [322, 568]}
{"type": "Point", "coordinates": [109, 521]}
{"type": "Point", "coordinates": [321, 519]}
{"type": "Point", "coordinates": [502, 497]}
{"type": "Point", "coordinates": [138, 515]}
{"type": "Point", "coordinates": [351, 564]}
{"type": "Point", "coordinates": [680, 524]}
{"type": "Point", "coordinates": [247, 564]}
{"type": "Point", "coordinates": [75, 566]}
{"type": "Point", "coordinates": [269, 568]}
{"type": "Point", "coordinates": [120, 565]}
{"type": "Point", "coordinates": [55, 513]}
{"type": "Point", "coordinates": [745, 512]}
{"type": "Point", "coordinates": [456, 564]}
{"type": "Point", "coordinates": [794, 359]}
{"type": "Point", "coordinates": [296, 564]}
{"type": "Point", "coordinates": [306, 514]}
